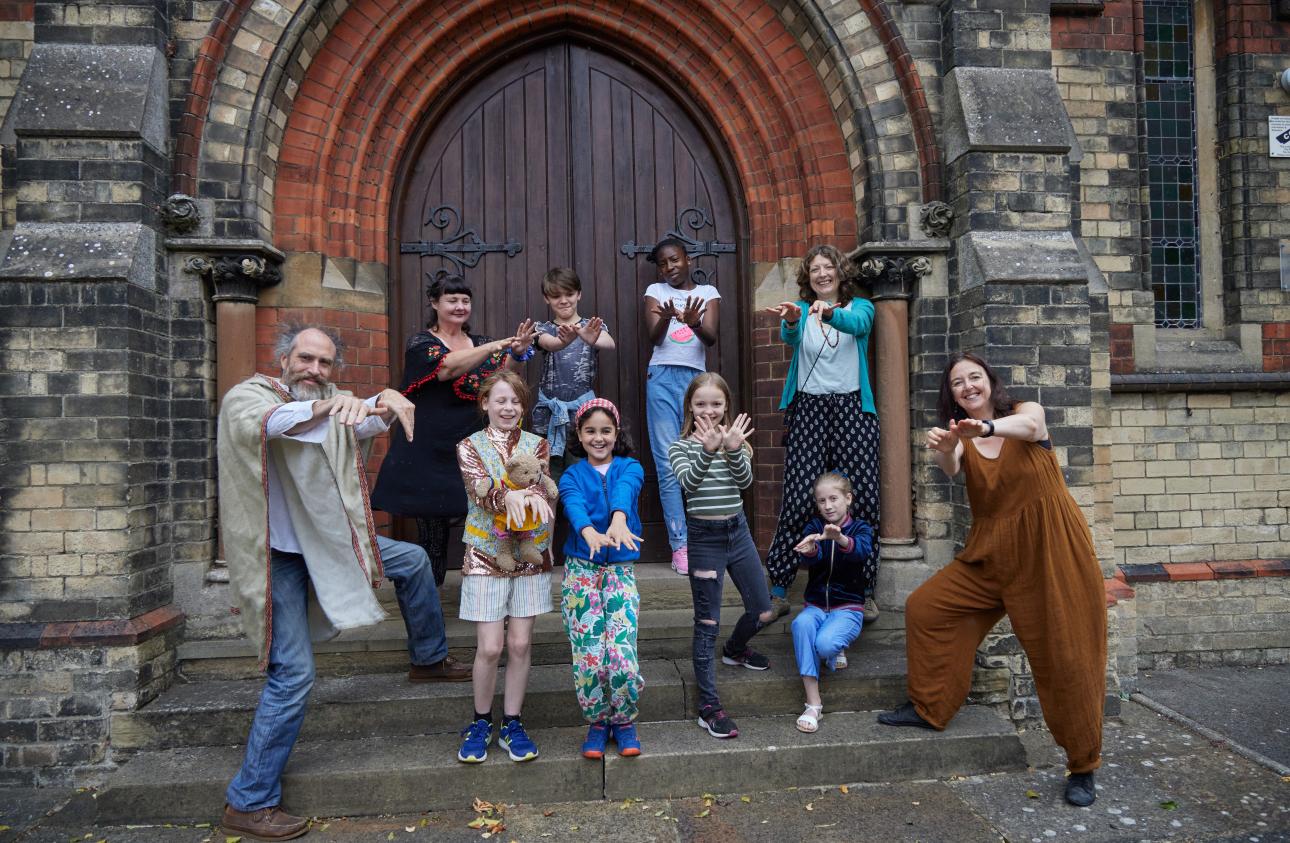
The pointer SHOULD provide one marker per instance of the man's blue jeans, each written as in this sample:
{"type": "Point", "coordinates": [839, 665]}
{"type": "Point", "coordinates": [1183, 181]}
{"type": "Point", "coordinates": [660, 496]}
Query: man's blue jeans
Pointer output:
{"type": "Point", "coordinates": [281, 712]}
{"type": "Point", "coordinates": [665, 388]}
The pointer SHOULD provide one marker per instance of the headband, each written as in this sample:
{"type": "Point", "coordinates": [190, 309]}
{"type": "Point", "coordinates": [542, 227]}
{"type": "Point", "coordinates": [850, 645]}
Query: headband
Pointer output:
{"type": "Point", "coordinates": [598, 404]}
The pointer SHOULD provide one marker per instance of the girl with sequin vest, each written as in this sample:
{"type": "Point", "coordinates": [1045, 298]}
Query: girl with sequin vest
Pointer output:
{"type": "Point", "coordinates": [491, 592]}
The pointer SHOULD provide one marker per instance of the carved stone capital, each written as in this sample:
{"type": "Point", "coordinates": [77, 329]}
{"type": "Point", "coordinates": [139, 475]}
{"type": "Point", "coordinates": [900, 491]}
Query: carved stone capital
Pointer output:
{"type": "Point", "coordinates": [180, 214]}
{"type": "Point", "coordinates": [235, 277]}
{"type": "Point", "coordinates": [935, 219]}
{"type": "Point", "coordinates": [894, 276]}
{"type": "Point", "coordinates": [236, 269]}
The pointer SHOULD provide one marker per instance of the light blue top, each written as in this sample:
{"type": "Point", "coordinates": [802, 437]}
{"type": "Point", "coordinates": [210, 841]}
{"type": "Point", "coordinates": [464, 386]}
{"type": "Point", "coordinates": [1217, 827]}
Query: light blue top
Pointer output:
{"type": "Point", "coordinates": [856, 318]}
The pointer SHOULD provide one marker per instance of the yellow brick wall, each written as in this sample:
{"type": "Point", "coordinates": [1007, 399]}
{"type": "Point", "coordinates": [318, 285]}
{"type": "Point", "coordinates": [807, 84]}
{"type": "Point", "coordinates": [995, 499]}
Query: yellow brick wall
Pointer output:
{"type": "Point", "coordinates": [1200, 477]}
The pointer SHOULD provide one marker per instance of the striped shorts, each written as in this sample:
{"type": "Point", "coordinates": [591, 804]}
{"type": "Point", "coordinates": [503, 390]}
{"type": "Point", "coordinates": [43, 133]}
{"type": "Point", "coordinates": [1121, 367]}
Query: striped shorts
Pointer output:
{"type": "Point", "coordinates": [485, 599]}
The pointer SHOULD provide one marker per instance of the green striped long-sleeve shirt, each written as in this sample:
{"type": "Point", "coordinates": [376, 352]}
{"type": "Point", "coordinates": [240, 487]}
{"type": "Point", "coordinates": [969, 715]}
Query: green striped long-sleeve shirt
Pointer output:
{"type": "Point", "coordinates": [711, 482]}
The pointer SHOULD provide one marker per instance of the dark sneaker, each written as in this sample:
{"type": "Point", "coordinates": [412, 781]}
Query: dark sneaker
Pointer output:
{"type": "Point", "coordinates": [516, 741]}
{"type": "Point", "coordinates": [1080, 790]}
{"type": "Point", "coordinates": [474, 746]}
{"type": "Point", "coordinates": [717, 722]}
{"type": "Point", "coordinates": [781, 606]}
{"type": "Point", "coordinates": [749, 658]}
{"type": "Point", "coordinates": [264, 824]}
{"type": "Point", "coordinates": [448, 670]}
{"type": "Point", "coordinates": [904, 715]}
{"type": "Point", "coordinates": [629, 746]}
{"type": "Point", "coordinates": [597, 737]}
{"type": "Point", "coordinates": [870, 610]}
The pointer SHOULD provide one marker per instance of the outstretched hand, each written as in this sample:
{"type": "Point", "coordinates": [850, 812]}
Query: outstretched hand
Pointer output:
{"type": "Point", "coordinates": [590, 330]}
{"type": "Point", "coordinates": [710, 435]}
{"type": "Point", "coordinates": [620, 536]}
{"type": "Point", "coordinates": [822, 309]}
{"type": "Point", "coordinates": [566, 334]}
{"type": "Point", "coordinates": [968, 428]}
{"type": "Point", "coordinates": [940, 439]}
{"type": "Point", "coordinates": [786, 310]}
{"type": "Point", "coordinates": [391, 402]}
{"type": "Point", "coordinates": [733, 437]}
{"type": "Point", "coordinates": [525, 334]}
{"type": "Point", "coordinates": [808, 545]}
{"type": "Point", "coordinates": [831, 533]}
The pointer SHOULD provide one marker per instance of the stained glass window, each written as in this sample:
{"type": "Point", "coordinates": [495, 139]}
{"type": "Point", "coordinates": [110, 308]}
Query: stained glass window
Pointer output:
{"type": "Point", "coordinates": [1170, 111]}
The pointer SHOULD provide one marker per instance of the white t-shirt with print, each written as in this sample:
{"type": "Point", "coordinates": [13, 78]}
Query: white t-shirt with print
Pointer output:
{"type": "Point", "coordinates": [681, 346]}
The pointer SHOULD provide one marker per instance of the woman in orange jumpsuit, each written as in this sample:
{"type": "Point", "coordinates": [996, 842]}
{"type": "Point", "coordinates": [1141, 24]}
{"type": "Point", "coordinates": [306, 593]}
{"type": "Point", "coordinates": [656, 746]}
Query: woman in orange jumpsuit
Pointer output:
{"type": "Point", "coordinates": [1029, 555]}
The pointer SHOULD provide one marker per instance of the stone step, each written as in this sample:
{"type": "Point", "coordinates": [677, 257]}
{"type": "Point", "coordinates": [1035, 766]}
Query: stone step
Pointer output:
{"type": "Point", "coordinates": [664, 634]}
{"type": "Point", "coordinates": [388, 775]}
{"type": "Point", "coordinates": [212, 713]}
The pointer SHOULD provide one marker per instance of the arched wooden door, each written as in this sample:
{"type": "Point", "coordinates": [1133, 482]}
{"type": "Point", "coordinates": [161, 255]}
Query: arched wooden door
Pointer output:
{"type": "Point", "coordinates": [568, 157]}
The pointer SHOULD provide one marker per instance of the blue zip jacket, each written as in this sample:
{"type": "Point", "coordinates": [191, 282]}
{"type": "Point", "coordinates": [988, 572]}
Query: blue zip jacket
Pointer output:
{"type": "Point", "coordinates": [838, 579]}
{"type": "Point", "coordinates": [590, 499]}
{"type": "Point", "coordinates": [856, 319]}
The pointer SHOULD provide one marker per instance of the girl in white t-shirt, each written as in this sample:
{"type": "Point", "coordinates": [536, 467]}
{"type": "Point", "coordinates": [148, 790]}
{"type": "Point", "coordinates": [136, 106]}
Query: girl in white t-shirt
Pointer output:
{"type": "Point", "coordinates": [681, 322]}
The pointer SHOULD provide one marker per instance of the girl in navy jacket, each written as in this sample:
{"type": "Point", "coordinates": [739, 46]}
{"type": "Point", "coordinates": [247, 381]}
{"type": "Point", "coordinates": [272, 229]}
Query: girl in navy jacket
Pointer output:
{"type": "Point", "coordinates": [599, 599]}
{"type": "Point", "coordinates": [836, 551]}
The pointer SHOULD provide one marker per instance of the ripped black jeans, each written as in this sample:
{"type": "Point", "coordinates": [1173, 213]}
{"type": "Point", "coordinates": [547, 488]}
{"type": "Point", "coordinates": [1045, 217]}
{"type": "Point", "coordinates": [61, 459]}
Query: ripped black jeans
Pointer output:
{"type": "Point", "coordinates": [718, 546]}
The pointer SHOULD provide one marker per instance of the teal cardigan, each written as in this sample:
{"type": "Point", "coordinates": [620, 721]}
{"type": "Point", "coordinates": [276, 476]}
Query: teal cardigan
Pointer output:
{"type": "Point", "coordinates": [856, 318]}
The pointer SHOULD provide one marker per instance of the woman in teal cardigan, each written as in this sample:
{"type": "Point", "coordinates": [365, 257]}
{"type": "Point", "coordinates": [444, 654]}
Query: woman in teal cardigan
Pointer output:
{"type": "Point", "coordinates": [830, 421]}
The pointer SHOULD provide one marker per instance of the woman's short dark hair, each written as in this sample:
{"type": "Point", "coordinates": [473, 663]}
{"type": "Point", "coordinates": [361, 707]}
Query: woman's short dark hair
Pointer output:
{"type": "Point", "coordinates": [948, 408]}
{"type": "Point", "coordinates": [443, 284]}
{"type": "Point", "coordinates": [847, 289]}
{"type": "Point", "coordinates": [622, 443]}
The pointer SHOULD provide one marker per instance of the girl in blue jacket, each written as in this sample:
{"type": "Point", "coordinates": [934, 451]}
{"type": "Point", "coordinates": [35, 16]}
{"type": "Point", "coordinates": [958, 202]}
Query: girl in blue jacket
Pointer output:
{"type": "Point", "coordinates": [599, 600]}
{"type": "Point", "coordinates": [837, 551]}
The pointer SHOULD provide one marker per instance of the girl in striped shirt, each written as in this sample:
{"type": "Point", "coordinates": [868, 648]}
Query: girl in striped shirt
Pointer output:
{"type": "Point", "coordinates": [713, 465]}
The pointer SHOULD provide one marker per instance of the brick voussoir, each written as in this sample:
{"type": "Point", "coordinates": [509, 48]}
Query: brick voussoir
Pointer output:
{"type": "Point", "coordinates": [1193, 571]}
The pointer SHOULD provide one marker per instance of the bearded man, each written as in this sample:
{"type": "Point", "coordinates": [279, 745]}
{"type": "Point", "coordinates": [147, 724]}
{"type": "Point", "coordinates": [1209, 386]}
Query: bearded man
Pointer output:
{"type": "Point", "coordinates": [294, 514]}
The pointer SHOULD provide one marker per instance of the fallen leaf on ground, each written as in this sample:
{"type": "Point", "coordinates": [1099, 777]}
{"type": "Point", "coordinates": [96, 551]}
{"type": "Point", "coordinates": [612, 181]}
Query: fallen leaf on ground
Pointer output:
{"type": "Point", "coordinates": [705, 812]}
{"type": "Point", "coordinates": [1030, 794]}
{"type": "Point", "coordinates": [409, 828]}
{"type": "Point", "coordinates": [844, 788]}
{"type": "Point", "coordinates": [810, 806]}
{"type": "Point", "coordinates": [232, 840]}
{"type": "Point", "coordinates": [1169, 805]}
{"type": "Point", "coordinates": [389, 836]}
{"type": "Point", "coordinates": [745, 799]}
{"type": "Point", "coordinates": [548, 813]}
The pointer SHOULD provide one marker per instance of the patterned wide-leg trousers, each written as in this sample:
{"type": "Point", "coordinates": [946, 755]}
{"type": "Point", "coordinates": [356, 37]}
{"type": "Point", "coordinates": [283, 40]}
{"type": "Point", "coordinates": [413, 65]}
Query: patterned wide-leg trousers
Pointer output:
{"type": "Point", "coordinates": [600, 605]}
{"type": "Point", "coordinates": [826, 433]}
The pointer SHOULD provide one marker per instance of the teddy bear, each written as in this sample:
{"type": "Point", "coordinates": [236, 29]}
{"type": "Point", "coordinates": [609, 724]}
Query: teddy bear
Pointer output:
{"type": "Point", "coordinates": [524, 471]}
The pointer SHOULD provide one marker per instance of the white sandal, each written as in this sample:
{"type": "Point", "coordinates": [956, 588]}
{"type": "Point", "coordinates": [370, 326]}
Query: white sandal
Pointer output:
{"type": "Point", "coordinates": [809, 720]}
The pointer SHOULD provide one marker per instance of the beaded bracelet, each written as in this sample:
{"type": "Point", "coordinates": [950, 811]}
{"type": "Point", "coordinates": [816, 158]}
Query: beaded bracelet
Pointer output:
{"type": "Point", "coordinates": [520, 358]}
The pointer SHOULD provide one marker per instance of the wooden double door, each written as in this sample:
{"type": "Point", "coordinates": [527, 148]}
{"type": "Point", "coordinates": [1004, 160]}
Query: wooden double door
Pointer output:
{"type": "Point", "coordinates": [566, 156]}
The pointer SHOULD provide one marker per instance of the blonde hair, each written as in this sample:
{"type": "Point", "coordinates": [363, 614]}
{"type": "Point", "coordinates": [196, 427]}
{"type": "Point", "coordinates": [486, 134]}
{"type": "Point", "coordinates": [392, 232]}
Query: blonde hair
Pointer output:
{"type": "Point", "coordinates": [510, 378]}
{"type": "Point", "coordinates": [701, 380]}
{"type": "Point", "coordinates": [841, 480]}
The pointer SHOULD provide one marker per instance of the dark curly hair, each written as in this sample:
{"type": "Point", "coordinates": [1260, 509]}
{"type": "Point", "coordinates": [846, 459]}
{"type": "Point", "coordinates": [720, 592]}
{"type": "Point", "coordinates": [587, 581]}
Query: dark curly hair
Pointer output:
{"type": "Point", "coordinates": [622, 443]}
{"type": "Point", "coordinates": [947, 408]}
{"type": "Point", "coordinates": [847, 289]}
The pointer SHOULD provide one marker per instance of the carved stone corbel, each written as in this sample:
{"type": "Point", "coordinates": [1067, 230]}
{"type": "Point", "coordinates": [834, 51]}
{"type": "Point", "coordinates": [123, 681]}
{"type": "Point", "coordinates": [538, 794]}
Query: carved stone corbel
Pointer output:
{"type": "Point", "coordinates": [180, 214]}
{"type": "Point", "coordinates": [894, 276]}
{"type": "Point", "coordinates": [935, 219]}
{"type": "Point", "coordinates": [235, 277]}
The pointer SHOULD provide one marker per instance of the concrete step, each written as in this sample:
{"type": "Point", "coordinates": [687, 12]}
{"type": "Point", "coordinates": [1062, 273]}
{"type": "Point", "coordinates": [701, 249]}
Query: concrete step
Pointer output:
{"type": "Point", "coordinates": [212, 713]}
{"type": "Point", "coordinates": [380, 775]}
{"type": "Point", "coordinates": [664, 634]}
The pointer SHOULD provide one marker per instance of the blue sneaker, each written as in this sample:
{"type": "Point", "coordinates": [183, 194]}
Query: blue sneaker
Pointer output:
{"type": "Point", "coordinates": [625, 736]}
{"type": "Point", "coordinates": [516, 741]}
{"type": "Point", "coordinates": [474, 748]}
{"type": "Point", "coordinates": [597, 737]}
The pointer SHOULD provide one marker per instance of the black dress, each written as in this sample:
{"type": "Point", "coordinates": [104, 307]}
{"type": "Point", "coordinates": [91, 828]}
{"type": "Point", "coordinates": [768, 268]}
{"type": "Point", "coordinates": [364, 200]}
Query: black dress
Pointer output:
{"type": "Point", "coordinates": [420, 479]}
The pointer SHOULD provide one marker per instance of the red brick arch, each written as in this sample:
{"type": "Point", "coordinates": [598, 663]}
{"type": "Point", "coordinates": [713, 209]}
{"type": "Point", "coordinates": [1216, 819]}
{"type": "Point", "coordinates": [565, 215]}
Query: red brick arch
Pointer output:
{"type": "Point", "coordinates": [385, 64]}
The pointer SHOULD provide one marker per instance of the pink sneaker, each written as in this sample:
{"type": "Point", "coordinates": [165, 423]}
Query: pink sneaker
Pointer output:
{"type": "Point", "coordinates": [681, 561]}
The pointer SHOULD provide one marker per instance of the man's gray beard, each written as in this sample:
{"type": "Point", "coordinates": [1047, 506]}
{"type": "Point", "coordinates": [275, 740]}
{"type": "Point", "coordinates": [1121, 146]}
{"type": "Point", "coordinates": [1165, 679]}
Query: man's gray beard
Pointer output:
{"type": "Point", "coordinates": [304, 391]}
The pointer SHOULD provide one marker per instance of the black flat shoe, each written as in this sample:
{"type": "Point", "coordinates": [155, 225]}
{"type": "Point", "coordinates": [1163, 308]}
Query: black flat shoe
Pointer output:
{"type": "Point", "coordinates": [1079, 789]}
{"type": "Point", "coordinates": [904, 715]}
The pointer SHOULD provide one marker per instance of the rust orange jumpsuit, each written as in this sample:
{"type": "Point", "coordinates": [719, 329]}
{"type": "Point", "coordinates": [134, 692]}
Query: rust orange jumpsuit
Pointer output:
{"type": "Point", "coordinates": [1029, 555]}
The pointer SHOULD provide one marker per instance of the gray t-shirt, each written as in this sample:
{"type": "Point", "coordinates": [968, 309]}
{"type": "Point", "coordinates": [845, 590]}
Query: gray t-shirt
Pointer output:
{"type": "Point", "coordinates": [566, 373]}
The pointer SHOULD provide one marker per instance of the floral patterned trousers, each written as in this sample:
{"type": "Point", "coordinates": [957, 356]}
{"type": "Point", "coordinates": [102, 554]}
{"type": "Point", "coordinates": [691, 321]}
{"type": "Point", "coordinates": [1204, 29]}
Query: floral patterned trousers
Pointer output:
{"type": "Point", "coordinates": [600, 604]}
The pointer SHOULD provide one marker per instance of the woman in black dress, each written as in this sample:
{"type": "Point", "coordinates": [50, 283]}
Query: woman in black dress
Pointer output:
{"type": "Point", "coordinates": [443, 368]}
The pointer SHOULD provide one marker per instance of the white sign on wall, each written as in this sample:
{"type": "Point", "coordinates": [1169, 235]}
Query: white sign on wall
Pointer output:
{"type": "Point", "coordinates": [1279, 137]}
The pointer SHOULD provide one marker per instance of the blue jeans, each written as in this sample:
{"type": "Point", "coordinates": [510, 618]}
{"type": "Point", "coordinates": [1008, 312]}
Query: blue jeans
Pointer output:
{"type": "Point", "coordinates": [723, 546]}
{"type": "Point", "coordinates": [818, 634]}
{"type": "Point", "coordinates": [281, 711]}
{"type": "Point", "coordinates": [664, 395]}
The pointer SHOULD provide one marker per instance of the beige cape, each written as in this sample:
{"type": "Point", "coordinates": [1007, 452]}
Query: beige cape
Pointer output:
{"type": "Point", "coordinates": [325, 487]}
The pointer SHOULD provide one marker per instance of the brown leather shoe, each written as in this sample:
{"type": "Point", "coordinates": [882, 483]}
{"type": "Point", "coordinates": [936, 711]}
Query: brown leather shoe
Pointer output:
{"type": "Point", "coordinates": [448, 670]}
{"type": "Point", "coordinates": [263, 824]}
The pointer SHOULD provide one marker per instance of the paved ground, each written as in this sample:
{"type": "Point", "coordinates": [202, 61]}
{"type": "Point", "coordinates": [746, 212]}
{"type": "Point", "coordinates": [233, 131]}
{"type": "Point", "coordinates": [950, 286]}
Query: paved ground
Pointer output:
{"type": "Point", "coordinates": [1159, 782]}
{"type": "Point", "coordinates": [1249, 705]}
